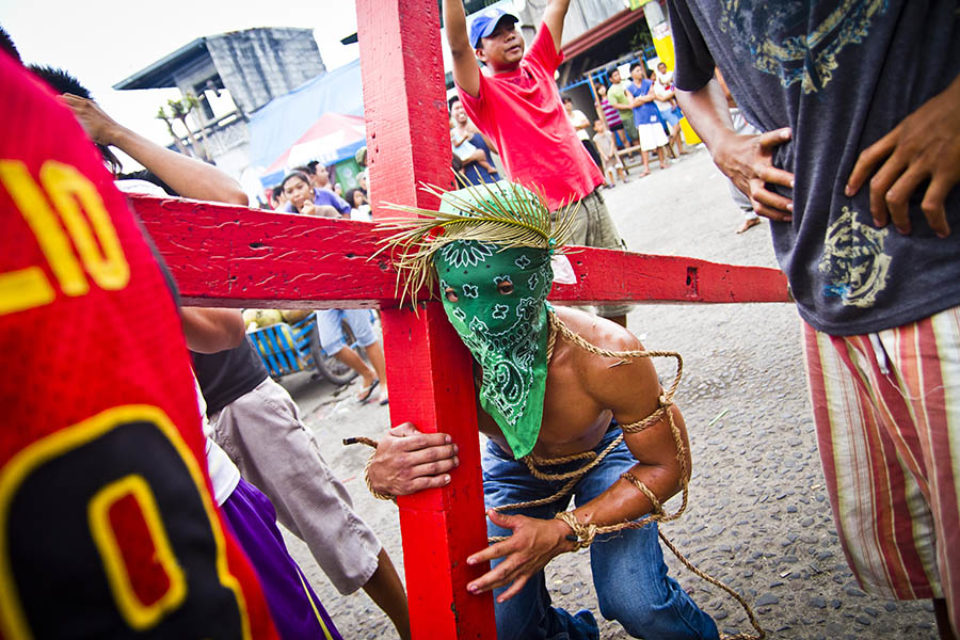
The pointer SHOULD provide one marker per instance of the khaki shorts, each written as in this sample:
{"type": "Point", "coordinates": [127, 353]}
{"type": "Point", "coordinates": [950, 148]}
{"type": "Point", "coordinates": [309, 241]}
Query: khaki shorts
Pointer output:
{"type": "Point", "coordinates": [262, 433]}
{"type": "Point", "coordinates": [593, 227]}
{"type": "Point", "coordinates": [627, 118]}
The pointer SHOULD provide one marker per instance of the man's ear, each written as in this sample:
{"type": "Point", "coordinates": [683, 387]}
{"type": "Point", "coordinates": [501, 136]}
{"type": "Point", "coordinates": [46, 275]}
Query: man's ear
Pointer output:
{"type": "Point", "coordinates": [481, 55]}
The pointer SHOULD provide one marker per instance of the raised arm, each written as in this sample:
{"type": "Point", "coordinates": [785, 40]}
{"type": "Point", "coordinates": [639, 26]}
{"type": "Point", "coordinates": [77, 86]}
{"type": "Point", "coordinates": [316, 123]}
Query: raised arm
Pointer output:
{"type": "Point", "coordinates": [189, 177]}
{"type": "Point", "coordinates": [746, 159]}
{"type": "Point", "coordinates": [553, 17]}
{"type": "Point", "coordinates": [466, 71]}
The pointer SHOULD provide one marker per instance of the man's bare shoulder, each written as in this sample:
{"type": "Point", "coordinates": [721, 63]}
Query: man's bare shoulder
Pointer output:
{"type": "Point", "coordinates": [628, 387]}
{"type": "Point", "coordinates": [600, 332]}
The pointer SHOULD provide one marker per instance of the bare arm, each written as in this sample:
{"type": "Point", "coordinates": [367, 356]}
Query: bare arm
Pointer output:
{"type": "Point", "coordinates": [189, 177]}
{"type": "Point", "coordinates": [746, 159]}
{"type": "Point", "coordinates": [466, 72]}
{"type": "Point", "coordinates": [664, 94]}
{"type": "Point", "coordinates": [210, 330]}
{"type": "Point", "coordinates": [553, 17]}
{"type": "Point", "coordinates": [631, 391]}
{"type": "Point", "coordinates": [639, 100]}
{"type": "Point", "coordinates": [490, 145]}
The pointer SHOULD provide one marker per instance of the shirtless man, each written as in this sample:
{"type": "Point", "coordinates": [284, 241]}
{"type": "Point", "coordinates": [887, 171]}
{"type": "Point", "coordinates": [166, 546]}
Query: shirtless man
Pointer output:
{"type": "Point", "coordinates": [546, 407]}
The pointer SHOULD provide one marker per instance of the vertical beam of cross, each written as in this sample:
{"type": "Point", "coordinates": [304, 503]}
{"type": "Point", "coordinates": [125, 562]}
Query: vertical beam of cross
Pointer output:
{"type": "Point", "coordinates": [429, 370]}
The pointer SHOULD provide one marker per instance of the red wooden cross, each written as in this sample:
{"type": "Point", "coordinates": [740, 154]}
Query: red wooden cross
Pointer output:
{"type": "Point", "coordinates": [235, 257]}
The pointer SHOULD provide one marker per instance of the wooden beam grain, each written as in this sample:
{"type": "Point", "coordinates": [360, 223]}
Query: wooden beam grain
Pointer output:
{"type": "Point", "coordinates": [232, 256]}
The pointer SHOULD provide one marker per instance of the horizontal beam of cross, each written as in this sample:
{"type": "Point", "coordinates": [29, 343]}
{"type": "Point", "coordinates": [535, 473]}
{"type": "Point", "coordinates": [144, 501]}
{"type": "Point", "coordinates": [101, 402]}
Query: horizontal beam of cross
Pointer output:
{"type": "Point", "coordinates": [237, 257]}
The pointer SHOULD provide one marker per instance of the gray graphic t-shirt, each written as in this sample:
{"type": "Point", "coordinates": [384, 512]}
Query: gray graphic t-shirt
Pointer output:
{"type": "Point", "coordinates": [841, 74]}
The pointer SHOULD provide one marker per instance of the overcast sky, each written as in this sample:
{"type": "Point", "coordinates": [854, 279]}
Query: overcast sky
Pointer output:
{"type": "Point", "coordinates": [104, 41]}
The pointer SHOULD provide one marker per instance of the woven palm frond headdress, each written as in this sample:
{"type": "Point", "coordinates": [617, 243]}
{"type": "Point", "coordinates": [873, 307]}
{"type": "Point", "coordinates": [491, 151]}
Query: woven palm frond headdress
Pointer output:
{"type": "Point", "coordinates": [502, 213]}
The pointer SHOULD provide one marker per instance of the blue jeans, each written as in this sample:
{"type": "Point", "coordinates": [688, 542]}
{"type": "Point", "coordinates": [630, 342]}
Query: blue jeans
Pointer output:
{"type": "Point", "coordinates": [628, 569]}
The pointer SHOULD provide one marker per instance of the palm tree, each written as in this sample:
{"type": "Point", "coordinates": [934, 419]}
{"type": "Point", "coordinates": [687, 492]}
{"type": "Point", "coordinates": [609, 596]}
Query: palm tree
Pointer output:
{"type": "Point", "coordinates": [162, 115]}
{"type": "Point", "coordinates": [181, 109]}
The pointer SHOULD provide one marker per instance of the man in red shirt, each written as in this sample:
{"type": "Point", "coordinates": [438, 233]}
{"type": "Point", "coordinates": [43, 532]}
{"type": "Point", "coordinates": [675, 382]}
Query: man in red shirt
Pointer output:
{"type": "Point", "coordinates": [517, 105]}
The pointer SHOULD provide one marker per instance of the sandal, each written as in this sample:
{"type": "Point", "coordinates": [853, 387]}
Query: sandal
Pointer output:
{"type": "Point", "coordinates": [367, 391]}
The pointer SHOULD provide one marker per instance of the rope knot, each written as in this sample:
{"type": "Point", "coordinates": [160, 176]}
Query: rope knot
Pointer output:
{"type": "Point", "coordinates": [585, 532]}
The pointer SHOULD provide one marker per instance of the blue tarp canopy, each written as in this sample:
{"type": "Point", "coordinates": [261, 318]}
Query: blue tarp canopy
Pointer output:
{"type": "Point", "coordinates": [281, 122]}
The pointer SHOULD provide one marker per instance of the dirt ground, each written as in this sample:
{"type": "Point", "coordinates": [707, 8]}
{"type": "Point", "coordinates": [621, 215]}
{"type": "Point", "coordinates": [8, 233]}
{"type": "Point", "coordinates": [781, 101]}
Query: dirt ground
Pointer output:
{"type": "Point", "coordinates": [758, 517]}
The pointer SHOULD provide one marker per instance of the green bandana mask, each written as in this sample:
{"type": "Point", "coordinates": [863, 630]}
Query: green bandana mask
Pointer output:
{"type": "Point", "coordinates": [490, 248]}
{"type": "Point", "coordinates": [495, 299]}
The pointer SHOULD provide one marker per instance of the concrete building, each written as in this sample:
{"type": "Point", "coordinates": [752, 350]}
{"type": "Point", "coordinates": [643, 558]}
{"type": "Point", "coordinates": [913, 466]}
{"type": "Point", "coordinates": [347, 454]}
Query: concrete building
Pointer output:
{"type": "Point", "coordinates": [232, 75]}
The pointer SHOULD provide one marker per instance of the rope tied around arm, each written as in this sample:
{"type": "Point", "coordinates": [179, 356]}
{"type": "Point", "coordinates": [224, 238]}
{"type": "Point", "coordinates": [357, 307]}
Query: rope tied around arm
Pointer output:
{"type": "Point", "coordinates": [370, 442]}
{"type": "Point", "coordinates": [536, 464]}
{"type": "Point", "coordinates": [585, 534]}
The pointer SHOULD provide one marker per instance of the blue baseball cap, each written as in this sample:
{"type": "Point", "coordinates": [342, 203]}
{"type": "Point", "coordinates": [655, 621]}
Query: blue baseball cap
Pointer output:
{"type": "Point", "coordinates": [486, 22]}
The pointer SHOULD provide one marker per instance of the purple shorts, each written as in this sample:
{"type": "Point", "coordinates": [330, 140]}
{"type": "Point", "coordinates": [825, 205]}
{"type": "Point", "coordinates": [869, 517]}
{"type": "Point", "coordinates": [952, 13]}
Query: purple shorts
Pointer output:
{"type": "Point", "coordinates": [296, 610]}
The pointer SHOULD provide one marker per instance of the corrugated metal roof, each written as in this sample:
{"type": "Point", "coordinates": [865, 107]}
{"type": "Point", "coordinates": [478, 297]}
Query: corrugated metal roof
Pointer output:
{"type": "Point", "coordinates": [159, 75]}
{"type": "Point", "coordinates": [597, 34]}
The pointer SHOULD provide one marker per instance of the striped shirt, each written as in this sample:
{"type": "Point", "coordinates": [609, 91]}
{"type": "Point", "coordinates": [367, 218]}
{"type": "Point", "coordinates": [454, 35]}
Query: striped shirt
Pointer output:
{"type": "Point", "coordinates": [611, 113]}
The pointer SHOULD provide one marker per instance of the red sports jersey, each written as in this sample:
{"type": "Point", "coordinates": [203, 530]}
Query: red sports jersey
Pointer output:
{"type": "Point", "coordinates": [107, 524]}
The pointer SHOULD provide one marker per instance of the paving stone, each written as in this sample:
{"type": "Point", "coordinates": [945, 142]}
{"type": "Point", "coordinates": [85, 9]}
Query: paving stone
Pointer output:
{"type": "Point", "coordinates": [767, 599]}
{"type": "Point", "coordinates": [835, 630]}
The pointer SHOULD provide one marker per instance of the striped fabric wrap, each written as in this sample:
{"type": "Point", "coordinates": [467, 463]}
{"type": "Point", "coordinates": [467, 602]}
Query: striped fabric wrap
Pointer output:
{"type": "Point", "coordinates": [887, 413]}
